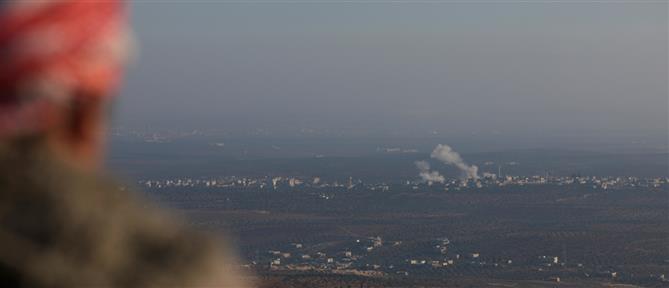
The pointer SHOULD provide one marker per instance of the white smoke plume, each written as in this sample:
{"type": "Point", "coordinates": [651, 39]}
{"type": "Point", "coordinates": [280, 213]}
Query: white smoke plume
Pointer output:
{"type": "Point", "coordinates": [446, 154]}
{"type": "Point", "coordinates": [427, 175]}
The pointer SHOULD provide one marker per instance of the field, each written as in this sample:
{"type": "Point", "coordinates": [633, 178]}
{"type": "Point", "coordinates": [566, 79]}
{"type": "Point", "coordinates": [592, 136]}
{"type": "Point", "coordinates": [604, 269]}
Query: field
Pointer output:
{"type": "Point", "coordinates": [593, 234]}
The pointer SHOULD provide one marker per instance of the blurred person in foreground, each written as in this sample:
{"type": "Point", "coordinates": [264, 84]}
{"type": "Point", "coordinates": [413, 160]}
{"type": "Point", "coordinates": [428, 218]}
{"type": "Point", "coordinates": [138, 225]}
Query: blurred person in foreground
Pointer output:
{"type": "Point", "coordinates": [63, 224]}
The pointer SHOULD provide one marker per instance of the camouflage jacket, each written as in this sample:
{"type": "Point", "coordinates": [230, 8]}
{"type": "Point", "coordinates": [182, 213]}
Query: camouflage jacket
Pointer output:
{"type": "Point", "coordinates": [61, 227]}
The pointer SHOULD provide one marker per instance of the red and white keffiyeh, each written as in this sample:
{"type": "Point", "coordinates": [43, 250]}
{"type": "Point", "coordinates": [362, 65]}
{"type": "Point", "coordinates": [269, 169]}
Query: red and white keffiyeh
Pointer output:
{"type": "Point", "coordinates": [51, 51]}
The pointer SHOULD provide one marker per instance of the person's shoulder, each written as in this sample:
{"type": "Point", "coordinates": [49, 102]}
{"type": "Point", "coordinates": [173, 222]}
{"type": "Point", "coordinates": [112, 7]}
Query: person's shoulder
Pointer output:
{"type": "Point", "coordinates": [84, 228]}
{"type": "Point", "coordinates": [148, 245]}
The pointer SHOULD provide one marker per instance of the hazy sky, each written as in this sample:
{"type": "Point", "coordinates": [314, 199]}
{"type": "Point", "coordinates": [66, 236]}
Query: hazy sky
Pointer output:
{"type": "Point", "coordinates": [400, 68]}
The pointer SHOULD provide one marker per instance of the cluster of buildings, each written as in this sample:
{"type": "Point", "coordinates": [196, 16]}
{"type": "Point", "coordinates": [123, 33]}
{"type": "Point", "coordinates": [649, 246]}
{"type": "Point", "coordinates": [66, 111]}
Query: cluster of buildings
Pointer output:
{"type": "Point", "coordinates": [594, 182]}
{"type": "Point", "coordinates": [353, 258]}
{"type": "Point", "coordinates": [298, 257]}
{"type": "Point", "coordinates": [487, 181]}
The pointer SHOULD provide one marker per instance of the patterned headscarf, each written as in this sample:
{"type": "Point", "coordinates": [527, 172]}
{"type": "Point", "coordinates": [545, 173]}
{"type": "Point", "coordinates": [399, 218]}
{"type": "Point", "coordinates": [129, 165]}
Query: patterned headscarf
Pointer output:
{"type": "Point", "coordinates": [52, 51]}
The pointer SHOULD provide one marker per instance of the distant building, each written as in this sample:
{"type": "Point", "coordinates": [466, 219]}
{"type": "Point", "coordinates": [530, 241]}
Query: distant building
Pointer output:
{"type": "Point", "coordinates": [377, 241]}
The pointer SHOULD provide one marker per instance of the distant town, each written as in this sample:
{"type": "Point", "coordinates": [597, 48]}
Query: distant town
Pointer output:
{"type": "Point", "coordinates": [352, 260]}
{"type": "Point", "coordinates": [487, 181]}
{"type": "Point", "coordinates": [356, 256]}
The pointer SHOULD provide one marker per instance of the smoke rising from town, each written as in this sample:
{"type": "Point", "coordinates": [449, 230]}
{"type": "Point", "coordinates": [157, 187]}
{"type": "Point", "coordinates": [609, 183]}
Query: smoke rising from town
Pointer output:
{"type": "Point", "coordinates": [427, 175]}
{"type": "Point", "coordinates": [447, 155]}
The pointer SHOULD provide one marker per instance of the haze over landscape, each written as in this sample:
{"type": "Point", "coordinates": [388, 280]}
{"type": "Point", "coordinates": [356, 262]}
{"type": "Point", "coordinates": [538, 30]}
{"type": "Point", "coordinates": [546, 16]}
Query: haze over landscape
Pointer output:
{"type": "Point", "coordinates": [513, 72]}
